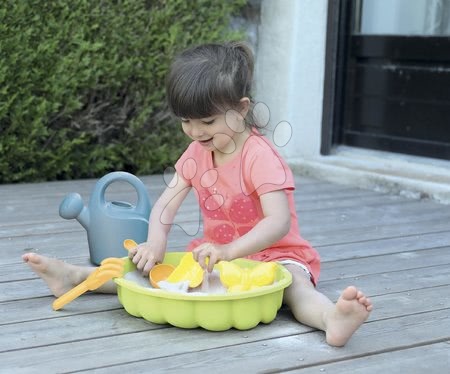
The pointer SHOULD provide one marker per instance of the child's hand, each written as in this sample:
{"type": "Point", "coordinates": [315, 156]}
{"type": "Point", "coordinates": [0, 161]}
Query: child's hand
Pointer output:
{"type": "Point", "coordinates": [213, 252]}
{"type": "Point", "coordinates": [145, 256]}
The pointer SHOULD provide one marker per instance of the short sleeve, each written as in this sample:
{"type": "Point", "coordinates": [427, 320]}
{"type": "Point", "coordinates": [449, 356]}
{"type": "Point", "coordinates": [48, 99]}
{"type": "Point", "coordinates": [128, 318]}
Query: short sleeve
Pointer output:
{"type": "Point", "coordinates": [264, 170]}
{"type": "Point", "coordinates": [186, 166]}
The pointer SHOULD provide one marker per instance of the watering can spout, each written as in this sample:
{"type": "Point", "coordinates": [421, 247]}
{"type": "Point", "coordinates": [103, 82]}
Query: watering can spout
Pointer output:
{"type": "Point", "coordinates": [84, 218]}
{"type": "Point", "coordinates": [73, 207]}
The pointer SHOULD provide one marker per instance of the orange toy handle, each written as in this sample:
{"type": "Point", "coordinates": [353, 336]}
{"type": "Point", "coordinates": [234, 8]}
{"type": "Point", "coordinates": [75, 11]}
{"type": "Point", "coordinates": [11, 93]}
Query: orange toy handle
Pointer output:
{"type": "Point", "coordinates": [70, 295]}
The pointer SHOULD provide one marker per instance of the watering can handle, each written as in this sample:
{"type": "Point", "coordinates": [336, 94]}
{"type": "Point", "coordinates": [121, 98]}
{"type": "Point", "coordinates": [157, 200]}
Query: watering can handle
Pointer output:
{"type": "Point", "coordinates": [143, 203]}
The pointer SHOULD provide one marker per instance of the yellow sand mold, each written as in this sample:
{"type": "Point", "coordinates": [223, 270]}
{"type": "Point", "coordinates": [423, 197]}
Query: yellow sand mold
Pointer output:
{"type": "Point", "coordinates": [238, 279]}
{"type": "Point", "coordinates": [188, 270]}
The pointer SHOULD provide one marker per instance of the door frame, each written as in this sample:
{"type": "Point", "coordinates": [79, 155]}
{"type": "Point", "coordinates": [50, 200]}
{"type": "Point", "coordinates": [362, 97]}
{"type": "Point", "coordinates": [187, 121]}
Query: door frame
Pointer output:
{"type": "Point", "coordinates": [340, 23]}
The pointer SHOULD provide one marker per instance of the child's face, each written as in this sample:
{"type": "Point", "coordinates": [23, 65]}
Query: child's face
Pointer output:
{"type": "Point", "coordinates": [217, 133]}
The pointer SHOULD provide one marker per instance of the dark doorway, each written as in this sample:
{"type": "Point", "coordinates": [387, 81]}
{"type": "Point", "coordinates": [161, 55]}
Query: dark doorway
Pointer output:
{"type": "Point", "coordinates": [387, 82]}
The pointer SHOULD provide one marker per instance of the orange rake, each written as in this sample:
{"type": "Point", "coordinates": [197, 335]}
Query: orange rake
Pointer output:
{"type": "Point", "coordinates": [109, 268]}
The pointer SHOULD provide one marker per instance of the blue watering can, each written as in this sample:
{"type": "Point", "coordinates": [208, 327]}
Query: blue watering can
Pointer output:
{"type": "Point", "coordinates": [109, 223]}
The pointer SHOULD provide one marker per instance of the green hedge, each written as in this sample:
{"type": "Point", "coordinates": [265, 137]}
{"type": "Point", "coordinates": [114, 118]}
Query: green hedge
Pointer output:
{"type": "Point", "coordinates": [82, 83]}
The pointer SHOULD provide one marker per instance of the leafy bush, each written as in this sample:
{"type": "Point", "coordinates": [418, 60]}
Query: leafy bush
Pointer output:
{"type": "Point", "coordinates": [82, 83]}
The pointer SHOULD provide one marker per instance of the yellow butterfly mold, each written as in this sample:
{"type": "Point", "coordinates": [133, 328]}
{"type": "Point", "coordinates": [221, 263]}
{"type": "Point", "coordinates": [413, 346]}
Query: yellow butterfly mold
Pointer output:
{"type": "Point", "coordinates": [241, 279]}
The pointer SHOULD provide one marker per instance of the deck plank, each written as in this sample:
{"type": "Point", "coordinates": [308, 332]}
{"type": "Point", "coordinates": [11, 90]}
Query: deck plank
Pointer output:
{"type": "Point", "coordinates": [414, 360]}
{"type": "Point", "coordinates": [227, 352]}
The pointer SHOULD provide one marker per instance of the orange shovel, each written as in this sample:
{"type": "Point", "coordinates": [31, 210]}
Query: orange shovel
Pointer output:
{"type": "Point", "coordinates": [129, 244]}
{"type": "Point", "coordinates": [109, 268]}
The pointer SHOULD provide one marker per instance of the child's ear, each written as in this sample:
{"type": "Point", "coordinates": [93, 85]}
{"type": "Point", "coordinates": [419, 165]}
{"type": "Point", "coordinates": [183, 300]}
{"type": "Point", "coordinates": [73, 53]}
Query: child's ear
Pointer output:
{"type": "Point", "coordinates": [244, 106]}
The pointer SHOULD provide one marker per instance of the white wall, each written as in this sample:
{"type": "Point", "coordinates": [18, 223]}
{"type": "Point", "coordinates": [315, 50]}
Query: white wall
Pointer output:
{"type": "Point", "coordinates": [290, 71]}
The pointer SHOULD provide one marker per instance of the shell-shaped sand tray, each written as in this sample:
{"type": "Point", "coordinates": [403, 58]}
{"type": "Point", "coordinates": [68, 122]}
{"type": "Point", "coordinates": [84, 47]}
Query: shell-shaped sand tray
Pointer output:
{"type": "Point", "coordinates": [215, 312]}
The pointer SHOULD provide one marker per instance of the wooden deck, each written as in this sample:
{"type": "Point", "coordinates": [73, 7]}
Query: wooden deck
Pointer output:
{"type": "Point", "coordinates": [397, 250]}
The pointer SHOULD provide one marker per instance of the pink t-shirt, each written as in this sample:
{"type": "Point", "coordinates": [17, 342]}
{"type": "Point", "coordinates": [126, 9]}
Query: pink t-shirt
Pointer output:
{"type": "Point", "coordinates": [229, 198]}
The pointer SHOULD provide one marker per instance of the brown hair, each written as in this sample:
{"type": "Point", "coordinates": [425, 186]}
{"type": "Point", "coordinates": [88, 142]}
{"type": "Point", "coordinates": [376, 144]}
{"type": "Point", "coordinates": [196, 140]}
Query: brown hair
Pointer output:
{"type": "Point", "coordinates": [210, 79]}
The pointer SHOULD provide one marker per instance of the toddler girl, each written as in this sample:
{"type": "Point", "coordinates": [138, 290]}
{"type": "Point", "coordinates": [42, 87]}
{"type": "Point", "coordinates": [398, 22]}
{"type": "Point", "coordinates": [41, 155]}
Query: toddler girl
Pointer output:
{"type": "Point", "coordinates": [244, 189]}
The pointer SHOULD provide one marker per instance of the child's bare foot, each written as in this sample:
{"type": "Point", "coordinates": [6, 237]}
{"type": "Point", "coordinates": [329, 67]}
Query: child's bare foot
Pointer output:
{"type": "Point", "coordinates": [350, 312]}
{"type": "Point", "coordinates": [59, 276]}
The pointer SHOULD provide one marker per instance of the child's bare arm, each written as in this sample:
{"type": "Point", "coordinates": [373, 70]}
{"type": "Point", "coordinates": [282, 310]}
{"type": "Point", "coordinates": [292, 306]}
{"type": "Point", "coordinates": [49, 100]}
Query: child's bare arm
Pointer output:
{"type": "Point", "coordinates": [161, 218]}
{"type": "Point", "coordinates": [274, 226]}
